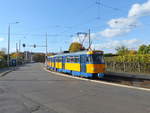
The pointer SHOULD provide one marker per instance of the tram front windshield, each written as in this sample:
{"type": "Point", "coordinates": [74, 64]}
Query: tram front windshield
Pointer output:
{"type": "Point", "coordinates": [96, 59]}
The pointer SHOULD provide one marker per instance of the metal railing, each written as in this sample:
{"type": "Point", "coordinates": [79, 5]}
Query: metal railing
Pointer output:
{"type": "Point", "coordinates": [132, 67]}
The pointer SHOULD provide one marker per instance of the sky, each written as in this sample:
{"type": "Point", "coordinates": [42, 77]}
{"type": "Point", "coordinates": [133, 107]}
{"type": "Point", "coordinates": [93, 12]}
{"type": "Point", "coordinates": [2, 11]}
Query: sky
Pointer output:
{"type": "Point", "coordinates": [113, 23]}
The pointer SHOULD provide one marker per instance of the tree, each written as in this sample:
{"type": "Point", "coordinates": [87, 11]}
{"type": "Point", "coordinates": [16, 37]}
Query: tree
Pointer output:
{"type": "Point", "coordinates": [2, 53]}
{"type": "Point", "coordinates": [39, 57]}
{"type": "Point", "coordinates": [132, 52]}
{"type": "Point", "coordinates": [4, 50]}
{"type": "Point", "coordinates": [148, 49]}
{"type": "Point", "coordinates": [109, 55]}
{"type": "Point", "coordinates": [122, 50]}
{"type": "Point", "coordinates": [2, 61]}
{"type": "Point", "coordinates": [17, 56]}
{"type": "Point", "coordinates": [75, 46]}
{"type": "Point", "coordinates": [144, 49]}
{"type": "Point", "coordinates": [51, 54]}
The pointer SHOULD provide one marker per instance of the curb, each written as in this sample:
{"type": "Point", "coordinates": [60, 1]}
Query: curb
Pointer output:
{"type": "Point", "coordinates": [100, 82]}
{"type": "Point", "coordinates": [5, 73]}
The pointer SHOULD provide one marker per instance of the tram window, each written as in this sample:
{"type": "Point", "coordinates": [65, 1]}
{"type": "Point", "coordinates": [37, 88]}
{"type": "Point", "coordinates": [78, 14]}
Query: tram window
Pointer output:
{"type": "Point", "coordinates": [96, 58]}
{"type": "Point", "coordinates": [72, 59]}
{"type": "Point", "coordinates": [88, 59]}
{"type": "Point", "coordinates": [56, 59]}
{"type": "Point", "coordinates": [76, 59]}
{"type": "Point", "coordinates": [68, 59]}
{"type": "Point", "coordinates": [60, 59]}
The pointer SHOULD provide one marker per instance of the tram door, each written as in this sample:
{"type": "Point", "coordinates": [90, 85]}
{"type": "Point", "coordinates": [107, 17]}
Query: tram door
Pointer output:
{"type": "Point", "coordinates": [54, 62]}
{"type": "Point", "coordinates": [63, 62]}
{"type": "Point", "coordinates": [83, 63]}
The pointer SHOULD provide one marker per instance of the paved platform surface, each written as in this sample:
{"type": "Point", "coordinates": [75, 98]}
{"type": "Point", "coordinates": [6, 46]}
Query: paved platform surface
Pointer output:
{"type": "Point", "coordinates": [30, 89]}
{"type": "Point", "coordinates": [3, 70]}
{"type": "Point", "coordinates": [129, 75]}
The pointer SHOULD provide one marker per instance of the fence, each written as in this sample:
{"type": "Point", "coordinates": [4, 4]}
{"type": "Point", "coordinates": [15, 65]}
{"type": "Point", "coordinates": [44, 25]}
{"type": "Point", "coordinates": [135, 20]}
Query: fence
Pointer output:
{"type": "Point", "coordinates": [2, 63]}
{"type": "Point", "coordinates": [132, 67]}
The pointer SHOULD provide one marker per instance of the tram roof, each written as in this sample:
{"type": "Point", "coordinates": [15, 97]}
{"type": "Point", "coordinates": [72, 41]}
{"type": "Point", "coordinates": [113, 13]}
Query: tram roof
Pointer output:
{"type": "Point", "coordinates": [78, 53]}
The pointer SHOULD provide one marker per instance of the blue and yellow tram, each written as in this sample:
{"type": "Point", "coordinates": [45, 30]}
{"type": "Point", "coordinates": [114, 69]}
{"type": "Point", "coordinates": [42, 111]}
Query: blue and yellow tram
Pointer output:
{"type": "Point", "coordinates": [85, 63]}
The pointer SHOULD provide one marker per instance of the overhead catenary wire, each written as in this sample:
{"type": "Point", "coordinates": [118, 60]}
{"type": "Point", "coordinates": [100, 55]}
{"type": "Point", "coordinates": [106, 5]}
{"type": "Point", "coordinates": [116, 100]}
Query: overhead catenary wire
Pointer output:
{"type": "Point", "coordinates": [98, 2]}
{"type": "Point", "coordinates": [107, 6]}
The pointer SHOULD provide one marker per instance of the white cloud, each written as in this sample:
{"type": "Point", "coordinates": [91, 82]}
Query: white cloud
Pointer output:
{"type": "Point", "coordinates": [1, 39]}
{"type": "Point", "coordinates": [140, 9]}
{"type": "Point", "coordinates": [110, 32]}
{"type": "Point", "coordinates": [122, 26]}
{"type": "Point", "coordinates": [122, 23]}
{"type": "Point", "coordinates": [112, 44]}
{"type": "Point", "coordinates": [119, 27]}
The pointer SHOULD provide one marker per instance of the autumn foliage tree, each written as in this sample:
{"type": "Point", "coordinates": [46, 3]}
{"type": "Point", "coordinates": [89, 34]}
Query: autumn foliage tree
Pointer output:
{"type": "Point", "coordinates": [17, 56]}
{"type": "Point", "coordinates": [2, 58]}
{"type": "Point", "coordinates": [122, 50]}
{"type": "Point", "coordinates": [75, 46]}
{"type": "Point", "coordinates": [2, 61]}
{"type": "Point", "coordinates": [39, 57]}
{"type": "Point", "coordinates": [144, 49]}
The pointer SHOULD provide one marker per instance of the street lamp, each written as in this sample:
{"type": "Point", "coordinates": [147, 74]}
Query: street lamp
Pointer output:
{"type": "Point", "coordinates": [8, 56]}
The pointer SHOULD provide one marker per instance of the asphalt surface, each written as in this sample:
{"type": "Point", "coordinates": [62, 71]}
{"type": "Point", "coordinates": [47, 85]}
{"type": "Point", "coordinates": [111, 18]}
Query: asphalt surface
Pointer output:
{"type": "Point", "coordinates": [30, 89]}
{"type": "Point", "coordinates": [4, 69]}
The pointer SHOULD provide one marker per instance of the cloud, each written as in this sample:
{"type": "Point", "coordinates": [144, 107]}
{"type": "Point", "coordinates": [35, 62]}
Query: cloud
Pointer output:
{"type": "Point", "coordinates": [120, 26]}
{"type": "Point", "coordinates": [122, 23]}
{"type": "Point", "coordinates": [112, 44]}
{"type": "Point", "coordinates": [140, 10]}
{"type": "Point", "coordinates": [114, 32]}
{"type": "Point", "coordinates": [1, 39]}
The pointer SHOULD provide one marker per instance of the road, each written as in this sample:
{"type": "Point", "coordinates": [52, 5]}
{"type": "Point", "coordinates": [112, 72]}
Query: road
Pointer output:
{"type": "Point", "coordinates": [31, 89]}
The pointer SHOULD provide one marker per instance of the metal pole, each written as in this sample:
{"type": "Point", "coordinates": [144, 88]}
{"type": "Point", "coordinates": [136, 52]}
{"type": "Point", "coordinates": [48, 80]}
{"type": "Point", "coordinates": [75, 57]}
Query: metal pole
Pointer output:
{"type": "Point", "coordinates": [19, 45]}
{"type": "Point", "coordinates": [26, 56]}
{"type": "Point", "coordinates": [8, 57]}
{"type": "Point", "coordinates": [17, 53]}
{"type": "Point", "coordinates": [46, 49]}
{"type": "Point", "coordinates": [8, 54]}
{"type": "Point", "coordinates": [16, 47]}
{"type": "Point", "coordinates": [89, 39]}
{"type": "Point", "coordinates": [31, 56]}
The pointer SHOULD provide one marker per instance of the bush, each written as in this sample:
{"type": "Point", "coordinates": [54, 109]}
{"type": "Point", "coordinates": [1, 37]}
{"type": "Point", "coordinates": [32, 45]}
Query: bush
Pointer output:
{"type": "Point", "coordinates": [139, 63]}
{"type": "Point", "coordinates": [130, 58]}
{"type": "Point", "coordinates": [2, 62]}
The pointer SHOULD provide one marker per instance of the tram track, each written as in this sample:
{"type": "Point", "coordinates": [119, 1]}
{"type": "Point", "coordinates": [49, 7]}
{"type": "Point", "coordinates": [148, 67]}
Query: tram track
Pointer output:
{"type": "Point", "coordinates": [144, 83]}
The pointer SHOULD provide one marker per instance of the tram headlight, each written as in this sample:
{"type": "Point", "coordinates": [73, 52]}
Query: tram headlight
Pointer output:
{"type": "Point", "coordinates": [93, 69]}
